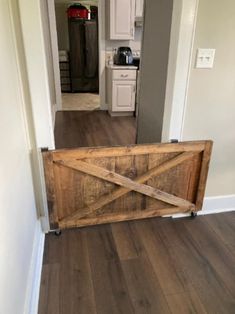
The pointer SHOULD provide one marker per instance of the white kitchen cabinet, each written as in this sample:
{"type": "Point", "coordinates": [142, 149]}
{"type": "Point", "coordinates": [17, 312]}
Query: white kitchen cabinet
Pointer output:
{"type": "Point", "coordinates": [123, 95]}
{"type": "Point", "coordinates": [121, 19]}
{"type": "Point", "coordinates": [139, 6]}
{"type": "Point", "coordinates": [121, 90]}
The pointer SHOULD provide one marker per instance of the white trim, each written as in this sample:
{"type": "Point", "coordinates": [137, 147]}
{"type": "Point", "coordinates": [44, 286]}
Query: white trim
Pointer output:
{"type": "Point", "coordinates": [101, 45]}
{"type": "Point", "coordinates": [55, 52]}
{"type": "Point", "coordinates": [35, 153]}
{"type": "Point", "coordinates": [180, 59]}
{"type": "Point", "coordinates": [34, 278]}
{"type": "Point", "coordinates": [34, 49]}
{"type": "Point", "coordinates": [214, 205]}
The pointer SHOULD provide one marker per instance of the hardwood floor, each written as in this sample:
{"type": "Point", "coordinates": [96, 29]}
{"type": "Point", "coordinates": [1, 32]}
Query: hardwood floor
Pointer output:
{"type": "Point", "coordinates": [157, 265]}
{"type": "Point", "coordinates": [93, 128]}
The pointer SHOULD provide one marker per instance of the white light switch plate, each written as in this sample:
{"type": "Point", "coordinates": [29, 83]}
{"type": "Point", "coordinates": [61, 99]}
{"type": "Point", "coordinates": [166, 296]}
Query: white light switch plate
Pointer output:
{"type": "Point", "coordinates": [205, 58]}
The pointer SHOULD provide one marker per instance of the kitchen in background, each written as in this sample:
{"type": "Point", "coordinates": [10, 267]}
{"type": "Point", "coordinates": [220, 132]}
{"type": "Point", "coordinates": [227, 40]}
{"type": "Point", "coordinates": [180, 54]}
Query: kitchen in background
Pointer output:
{"type": "Point", "coordinates": [124, 24]}
{"type": "Point", "coordinates": [77, 30]}
{"type": "Point", "coordinates": [118, 38]}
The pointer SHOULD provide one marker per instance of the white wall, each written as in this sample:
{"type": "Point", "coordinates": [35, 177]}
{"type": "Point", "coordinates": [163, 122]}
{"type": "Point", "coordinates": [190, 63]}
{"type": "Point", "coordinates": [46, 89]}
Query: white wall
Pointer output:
{"type": "Point", "coordinates": [39, 81]}
{"type": "Point", "coordinates": [49, 56]}
{"type": "Point", "coordinates": [133, 44]}
{"type": "Point", "coordinates": [210, 110]}
{"type": "Point", "coordinates": [19, 225]}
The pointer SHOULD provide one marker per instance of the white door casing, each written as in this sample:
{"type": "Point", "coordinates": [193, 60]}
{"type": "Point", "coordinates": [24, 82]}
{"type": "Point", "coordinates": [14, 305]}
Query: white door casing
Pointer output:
{"type": "Point", "coordinates": [180, 59]}
{"type": "Point", "coordinates": [38, 81]}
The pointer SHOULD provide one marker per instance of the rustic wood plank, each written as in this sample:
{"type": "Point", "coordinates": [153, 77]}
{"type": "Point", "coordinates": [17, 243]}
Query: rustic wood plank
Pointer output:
{"type": "Point", "coordinates": [95, 152]}
{"type": "Point", "coordinates": [113, 177]}
{"type": "Point", "coordinates": [116, 217]}
{"type": "Point", "coordinates": [88, 191]}
{"type": "Point", "coordinates": [203, 175]}
{"type": "Point", "coordinates": [50, 188]}
{"type": "Point", "coordinates": [106, 199]}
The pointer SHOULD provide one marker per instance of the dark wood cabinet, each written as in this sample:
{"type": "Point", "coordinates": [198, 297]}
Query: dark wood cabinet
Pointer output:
{"type": "Point", "coordinates": [83, 40]}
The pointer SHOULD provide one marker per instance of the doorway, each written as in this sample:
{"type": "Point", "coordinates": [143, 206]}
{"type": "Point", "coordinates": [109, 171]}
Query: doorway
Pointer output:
{"type": "Point", "coordinates": [118, 86]}
{"type": "Point", "coordinates": [78, 51]}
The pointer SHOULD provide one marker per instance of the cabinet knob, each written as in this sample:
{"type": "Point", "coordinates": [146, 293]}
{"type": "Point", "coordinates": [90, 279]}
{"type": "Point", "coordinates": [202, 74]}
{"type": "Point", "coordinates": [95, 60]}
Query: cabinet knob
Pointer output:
{"type": "Point", "coordinates": [124, 75]}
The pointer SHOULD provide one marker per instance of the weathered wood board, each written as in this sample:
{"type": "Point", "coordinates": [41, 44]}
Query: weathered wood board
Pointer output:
{"type": "Point", "coordinates": [88, 186]}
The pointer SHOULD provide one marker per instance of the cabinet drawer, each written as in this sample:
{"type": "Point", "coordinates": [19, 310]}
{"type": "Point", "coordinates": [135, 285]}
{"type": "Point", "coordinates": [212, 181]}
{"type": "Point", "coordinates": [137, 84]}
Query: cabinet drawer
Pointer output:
{"type": "Point", "coordinates": [124, 74]}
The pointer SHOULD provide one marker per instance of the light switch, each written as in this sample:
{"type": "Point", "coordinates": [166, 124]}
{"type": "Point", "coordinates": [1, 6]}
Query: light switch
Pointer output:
{"type": "Point", "coordinates": [205, 58]}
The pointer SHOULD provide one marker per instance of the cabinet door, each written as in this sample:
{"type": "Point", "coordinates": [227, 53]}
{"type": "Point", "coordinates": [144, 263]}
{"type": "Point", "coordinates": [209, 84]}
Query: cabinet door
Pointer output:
{"type": "Point", "coordinates": [123, 97]}
{"type": "Point", "coordinates": [139, 5]}
{"type": "Point", "coordinates": [122, 19]}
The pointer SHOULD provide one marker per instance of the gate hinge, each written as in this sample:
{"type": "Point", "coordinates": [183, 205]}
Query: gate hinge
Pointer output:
{"type": "Point", "coordinates": [174, 140]}
{"type": "Point", "coordinates": [44, 149]}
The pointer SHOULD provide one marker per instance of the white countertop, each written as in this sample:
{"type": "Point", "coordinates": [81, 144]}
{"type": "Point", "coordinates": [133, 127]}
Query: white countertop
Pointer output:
{"type": "Point", "coordinates": [122, 67]}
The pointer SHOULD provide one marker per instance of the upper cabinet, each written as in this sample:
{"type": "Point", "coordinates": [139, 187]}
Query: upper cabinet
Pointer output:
{"type": "Point", "coordinates": [121, 17]}
{"type": "Point", "coordinates": [139, 6]}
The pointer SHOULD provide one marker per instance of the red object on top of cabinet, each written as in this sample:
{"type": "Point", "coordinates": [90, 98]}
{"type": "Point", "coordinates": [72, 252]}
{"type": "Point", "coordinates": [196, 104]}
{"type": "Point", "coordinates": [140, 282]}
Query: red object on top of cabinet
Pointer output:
{"type": "Point", "coordinates": [77, 11]}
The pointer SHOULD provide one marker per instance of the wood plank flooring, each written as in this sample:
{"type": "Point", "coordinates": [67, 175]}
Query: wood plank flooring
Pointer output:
{"type": "Point", "coordinates": [93, 128]}
{"type": "Point", "coordinates": [157, 265]}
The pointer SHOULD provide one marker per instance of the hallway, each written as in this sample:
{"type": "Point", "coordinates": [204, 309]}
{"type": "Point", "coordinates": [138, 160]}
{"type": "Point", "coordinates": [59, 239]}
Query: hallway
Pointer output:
{"type": "Point", "coordinates": [93, 128]}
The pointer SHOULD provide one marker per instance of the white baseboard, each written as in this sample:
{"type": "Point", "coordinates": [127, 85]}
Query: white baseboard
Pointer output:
{"type": "Point", "coordinates": [33, 289]}
{"type": "Point", "coordinates": [214, 205]}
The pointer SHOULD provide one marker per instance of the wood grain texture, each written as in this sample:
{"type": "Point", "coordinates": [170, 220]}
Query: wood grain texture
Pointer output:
{"type": "Point", "coordinates": [91, 184]}
{"type": "Point", "coordinates": [93, 128]}
{"type": "Point", "coordinates": [129, 150]}
{"type": "Point", "coordinates": [117, 217]}
{"type": "Point", "coordinates": [158, 265]}
{"type": "Point", "coordinates": [203, 174]}
{"type": "Point", "coordinates": [153, 180]}
{"type": "Point", "coordinates": [125, 182]}
{"type": "Point", "coordinates": [50, 189]}
{"type": "Point", "coordinates": [141, 167]}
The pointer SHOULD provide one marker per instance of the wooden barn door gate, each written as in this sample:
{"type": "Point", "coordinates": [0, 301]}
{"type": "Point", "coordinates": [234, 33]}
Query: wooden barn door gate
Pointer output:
{"type": "Point", "coordinates": [88, 186]}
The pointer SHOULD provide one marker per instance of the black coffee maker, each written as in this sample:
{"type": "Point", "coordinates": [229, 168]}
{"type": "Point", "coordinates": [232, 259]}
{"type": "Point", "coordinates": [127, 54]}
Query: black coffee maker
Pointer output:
{"type": "Point", "coordinates": [124, 56]}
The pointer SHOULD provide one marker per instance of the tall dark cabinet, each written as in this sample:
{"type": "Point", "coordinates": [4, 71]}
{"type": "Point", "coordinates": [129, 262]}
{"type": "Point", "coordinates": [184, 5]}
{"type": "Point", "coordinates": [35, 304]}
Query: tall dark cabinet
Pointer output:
{"type": "Point", "coordinates": [83, 41]}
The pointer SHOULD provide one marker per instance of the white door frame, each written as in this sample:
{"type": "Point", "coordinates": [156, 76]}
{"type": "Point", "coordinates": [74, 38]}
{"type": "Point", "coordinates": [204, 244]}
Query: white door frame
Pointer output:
{"type": "Point", "coordinates": [184, 17]}
{"type": "Point", "coordinates": [54, 52]}
{"type": "Point", "coordinates": [180, 60]}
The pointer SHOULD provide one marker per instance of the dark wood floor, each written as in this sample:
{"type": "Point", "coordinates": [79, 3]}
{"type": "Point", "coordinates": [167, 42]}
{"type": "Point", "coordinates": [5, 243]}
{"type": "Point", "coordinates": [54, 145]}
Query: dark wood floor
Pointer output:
{"type": "Point", "coordinates": [93, 128]}
{"type": "Point", "coordinates": [154, 266]}
{"type": "Point", "coordinates": [157, 265]}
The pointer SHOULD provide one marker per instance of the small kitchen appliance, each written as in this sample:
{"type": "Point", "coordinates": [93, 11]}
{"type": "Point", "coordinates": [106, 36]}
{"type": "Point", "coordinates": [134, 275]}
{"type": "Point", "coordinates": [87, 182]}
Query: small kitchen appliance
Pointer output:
{"type": "Point", "coordinates": [124, 56]}
{"type": "Point", "coordinates": [77, 11]}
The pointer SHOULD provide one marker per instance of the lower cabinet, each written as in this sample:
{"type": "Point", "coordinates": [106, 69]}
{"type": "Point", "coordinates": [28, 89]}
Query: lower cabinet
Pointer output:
{"type": "Point", "coordinates": [121, 91]}
{"type": "Point", "coordinates": [123, 95]}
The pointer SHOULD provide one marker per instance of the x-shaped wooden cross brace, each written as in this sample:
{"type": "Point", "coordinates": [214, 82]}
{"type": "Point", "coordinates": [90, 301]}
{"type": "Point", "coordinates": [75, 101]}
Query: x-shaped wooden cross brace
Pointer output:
{"type": "Point", "coordinates": [127, 185]}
